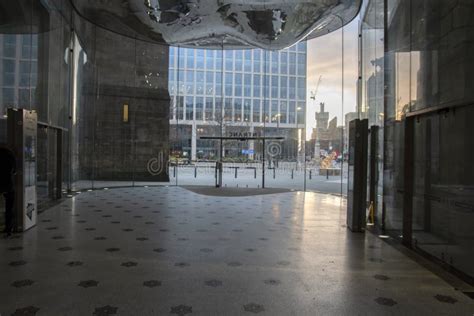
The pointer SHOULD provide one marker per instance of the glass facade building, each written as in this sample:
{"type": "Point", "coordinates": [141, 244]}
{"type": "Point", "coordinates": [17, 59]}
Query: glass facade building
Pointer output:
{"type": "Point", "coordinates": [249, 89]}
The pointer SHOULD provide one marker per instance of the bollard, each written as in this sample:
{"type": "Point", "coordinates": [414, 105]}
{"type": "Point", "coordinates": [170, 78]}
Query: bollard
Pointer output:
{"type": "Point", "coordinates": [292, 173]}
{"type": "Point", "coordinates": [195, 172]}
{"type": "Point", "coordinates": [247, 186]}
{"type": "Point", "coordinates": [310, 174]}
{"type": "Point", "coordinates": [235, 176]}
{"type": "Point", "coordinates": [327, 174]}
{"type": "Point", "coordinates": [174, 172]}
{"type": "Point", "coordinates": [274, 173]}
{"type": "Point", "coordinates": [255, 173]}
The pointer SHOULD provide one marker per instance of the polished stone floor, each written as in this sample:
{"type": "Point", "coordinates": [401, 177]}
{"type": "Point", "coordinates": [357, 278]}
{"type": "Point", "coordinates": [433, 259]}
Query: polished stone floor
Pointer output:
{"type": "Point", "coordinates": [167, 250]}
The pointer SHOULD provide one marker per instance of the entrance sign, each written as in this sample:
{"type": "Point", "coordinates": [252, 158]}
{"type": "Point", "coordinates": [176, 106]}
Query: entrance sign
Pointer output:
{"type": "Point", "coordinates": [243, 134]}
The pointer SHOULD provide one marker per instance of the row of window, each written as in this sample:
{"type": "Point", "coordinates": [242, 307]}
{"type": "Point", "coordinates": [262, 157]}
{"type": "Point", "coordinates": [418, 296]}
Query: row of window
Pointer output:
{"type": "Point", "coordinates": [17, 97]}
{"type": "Point", "coordinates": [237, 110]}
{"type": "Point", "coordinates": [257, 61]}
{"type": "Point", "coordinates": [27, 73]}
{"type": "Point", "coordinates": [300, 47]}
{"type": "Point", "coordinates": [237, 84]}
{"type": "Point", "coordinates": [28, 45]}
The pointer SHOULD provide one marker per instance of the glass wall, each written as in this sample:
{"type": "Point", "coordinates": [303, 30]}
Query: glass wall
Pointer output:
{"type": "Point", "coordinates": [428, 174]}
{"type": "Point", "coordinates": [34, 76]}
{"type": "Point", "coordinates": [371, 102]}
{"type": "Point", "coordinates": [119, 110]}
{"type": "Point", "coordinates": [254, 99]}
{"type": "Point", "coordinates": [101, 98]}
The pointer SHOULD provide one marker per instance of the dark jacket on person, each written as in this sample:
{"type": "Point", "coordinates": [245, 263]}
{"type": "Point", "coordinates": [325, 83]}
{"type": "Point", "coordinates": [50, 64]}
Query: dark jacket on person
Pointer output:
{"type": "Point", "coordinates": [7, 169]}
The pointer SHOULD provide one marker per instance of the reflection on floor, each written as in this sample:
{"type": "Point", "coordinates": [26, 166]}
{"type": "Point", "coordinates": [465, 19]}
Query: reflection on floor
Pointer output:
{"type": "Point", "coordinates": [166, 250]}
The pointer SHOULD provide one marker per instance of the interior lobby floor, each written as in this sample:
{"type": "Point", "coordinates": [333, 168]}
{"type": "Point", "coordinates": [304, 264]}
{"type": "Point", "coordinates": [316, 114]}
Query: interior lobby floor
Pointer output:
{"type": "Point", "coordinates": [168, 250]}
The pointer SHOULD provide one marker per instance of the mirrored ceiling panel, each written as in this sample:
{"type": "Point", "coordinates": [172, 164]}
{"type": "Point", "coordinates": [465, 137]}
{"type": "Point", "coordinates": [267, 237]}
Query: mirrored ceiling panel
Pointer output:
{"type": "Point", "coordinates": [268, 24]}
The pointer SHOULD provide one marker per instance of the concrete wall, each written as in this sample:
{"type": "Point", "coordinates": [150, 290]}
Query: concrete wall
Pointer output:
{"type": "Point", "coordinates": [119, 71]}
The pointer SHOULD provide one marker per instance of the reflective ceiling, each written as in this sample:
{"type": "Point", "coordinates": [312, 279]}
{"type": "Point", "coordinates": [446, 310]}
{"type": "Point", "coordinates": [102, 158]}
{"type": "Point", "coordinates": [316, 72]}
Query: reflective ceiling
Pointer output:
{"type": "Point", "coordinates": [268, 24]}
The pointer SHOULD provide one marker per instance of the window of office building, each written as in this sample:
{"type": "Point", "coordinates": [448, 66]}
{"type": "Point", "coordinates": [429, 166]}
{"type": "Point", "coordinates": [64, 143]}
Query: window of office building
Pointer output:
{"type": "Point", "coordinates": [218, 79]}
{"type": "Point", "coordinates": [9, 70]}
{"type": "Point", "coordinates": [209, 83]}
{"type": "Point", "coordinates": [247, 110]}
{"type": "Point", "coordinates": [283, 112]}
{"type": "Point", "coordinates": [257, 86]}
{"type": "Point", "coordinates": [8, 95]}
{"type": "Point", "coordinates": [301, 65]}
{"type": "Point", "coordinates": [238, 60]}
{"type": "Point", "coordinates": [218, 60]}
{"type": "Point", "coordinates": [292, 64]}
{"type": "Point", "coordinates": [256, 110]}
{"type": "Point", "coordinates": [210, 57]}
{"type": "Point", "coordinates": [248, 60]}
{"type": "Point", "coordinates": [172, 57]}
{"type": "Point", "coordinates": [190, 58]}
{"type": "Point", "coordinates": [292, 88]}
{"type": "Point", "coordinates": [274, 62]}
{"type": "Point", "coordinates": [283, 87]}
{"type": "Point", "coordinates": [238, 84]}
{"type": "Point", "coordinates": [229, 84]}
{"type": "Point", "coordinates": [257, 60]}
{"type": "Point", "coordinates": [266, 110]}
{"type": "Point", "coordinates": [29, 46]}
{"type": "Point", "coordinates": [209, 112]}
{"type": "Point", "coordinates": [283, 63]}
{"type": "Point", "coordinates": [228, 109]}
{"type": "Point", "coordinates": [181, 53]}
{"type": "Point", "coordinates": [247, 85]}
{"type": "Point", "coordinates": [200, 76]}
{"type": "Point", "coordinates": [301, 88]}
{"type": "Point", "coordinates": [199, 108]}
{"type": "Point", "coordinates": [229, 60]}
{"type": "Point", "coordinates": [200, 59]}
{"type": "Point", "coordinates": [292, 112]}
{"type": "Point", "coordinates": [300, 113]}
{"type": "Point", "coordinates": [274, 112]}
{"type": "Point", "coordinates": [189, 108]}
{"type": "Point", "coordinates": [190, 82]}
{"type": "Point", "coordinates": [9, 45]}
{"type": "Point", "coordinates": [237, 110]}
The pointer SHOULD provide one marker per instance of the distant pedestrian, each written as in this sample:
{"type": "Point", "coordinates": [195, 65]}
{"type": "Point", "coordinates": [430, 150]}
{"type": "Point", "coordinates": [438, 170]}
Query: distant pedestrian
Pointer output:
{"type": "Point", "coordinates": [7, 188]}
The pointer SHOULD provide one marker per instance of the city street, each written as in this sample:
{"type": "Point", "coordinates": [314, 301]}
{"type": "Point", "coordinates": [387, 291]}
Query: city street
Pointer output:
{"type": "Point", "coordinates": [286, 176]}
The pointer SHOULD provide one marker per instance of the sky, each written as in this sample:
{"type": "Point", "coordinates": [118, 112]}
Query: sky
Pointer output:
{"type": "Point", "coordinates": [324, 59]}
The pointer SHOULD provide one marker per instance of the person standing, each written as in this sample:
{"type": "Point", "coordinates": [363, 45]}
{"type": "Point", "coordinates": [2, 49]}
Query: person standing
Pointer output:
{"type": "Point", "coordinates": [7, 188]}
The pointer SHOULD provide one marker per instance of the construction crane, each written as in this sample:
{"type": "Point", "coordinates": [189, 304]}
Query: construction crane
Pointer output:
{"type": "Point", "coordinates": [315, 92]}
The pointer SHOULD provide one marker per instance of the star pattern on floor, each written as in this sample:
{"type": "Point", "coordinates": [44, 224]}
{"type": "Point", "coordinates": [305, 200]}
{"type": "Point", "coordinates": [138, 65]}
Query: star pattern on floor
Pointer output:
{"type": "Point", "coordinates": [26, 311]}
{"type": "Point", "coordinates": [105, 311]}
{"type": "Point", "coordinates": [254, 308]}
{"type": "Point", "coordinates": [88, 283]}
{"type": "Point", "coordinates": [181, 310]}
{"type": "Point", "coordinates": [147, 250]}
{"type": "Point", "coordinates": [152, 283]}
{"type": "Point", "coordinates": [22, 283]}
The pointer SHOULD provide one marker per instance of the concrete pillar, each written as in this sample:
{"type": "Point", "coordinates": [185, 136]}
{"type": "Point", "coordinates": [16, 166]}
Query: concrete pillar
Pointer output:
{"type": "Point", "coordinates": [251, 143]}
{"type": "Point", "coordinates": [224, 132]}
{"type": "Point", "coordinates": [193, 141]}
